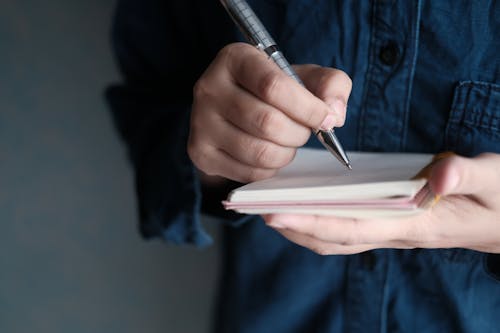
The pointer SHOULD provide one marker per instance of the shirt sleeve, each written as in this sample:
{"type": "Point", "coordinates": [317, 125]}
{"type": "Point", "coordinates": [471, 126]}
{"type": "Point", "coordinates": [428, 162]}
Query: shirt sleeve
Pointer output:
{"type": "Point", "coordinates": [160, 57]}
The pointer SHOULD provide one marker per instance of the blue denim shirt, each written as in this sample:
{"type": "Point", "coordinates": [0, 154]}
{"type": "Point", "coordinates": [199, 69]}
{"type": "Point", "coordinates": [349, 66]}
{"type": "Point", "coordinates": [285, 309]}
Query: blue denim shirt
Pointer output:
{"type": "Point", "coordinates": [425, 77]}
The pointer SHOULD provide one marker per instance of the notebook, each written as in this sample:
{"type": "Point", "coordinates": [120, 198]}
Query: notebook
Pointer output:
{"type": "Point", "coordinates": [379, 185]}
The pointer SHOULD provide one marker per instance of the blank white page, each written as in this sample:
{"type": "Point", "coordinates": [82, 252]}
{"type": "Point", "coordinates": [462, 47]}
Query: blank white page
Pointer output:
{"type": "Point", "coordinates": [315, 174]}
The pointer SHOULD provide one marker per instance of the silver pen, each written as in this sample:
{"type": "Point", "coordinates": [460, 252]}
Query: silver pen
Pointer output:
{"type": "Point", "coordinates": [253, 29]}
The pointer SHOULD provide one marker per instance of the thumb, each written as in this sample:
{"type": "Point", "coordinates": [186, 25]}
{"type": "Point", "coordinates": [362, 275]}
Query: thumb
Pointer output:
{"type": "Point", "coordinates": [459, 175]}
{"type": "Point", "coordinates": [331, 85]}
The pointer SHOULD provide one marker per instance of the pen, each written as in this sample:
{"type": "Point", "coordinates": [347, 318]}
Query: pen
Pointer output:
{"type": "Point", "coordinates": [253, 29]}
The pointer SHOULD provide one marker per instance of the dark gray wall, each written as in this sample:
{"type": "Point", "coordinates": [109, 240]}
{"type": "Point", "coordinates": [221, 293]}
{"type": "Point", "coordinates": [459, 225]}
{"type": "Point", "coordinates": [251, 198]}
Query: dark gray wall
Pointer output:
{"type": "Point", "coordinates": [70, 257]}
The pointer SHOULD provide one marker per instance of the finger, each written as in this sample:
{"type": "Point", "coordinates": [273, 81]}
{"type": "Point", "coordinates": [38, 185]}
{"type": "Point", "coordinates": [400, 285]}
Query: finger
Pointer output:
{"type": "Point", "coordinates": [262, 120]}
{"type": "Point", "coordinates": [479, 176]}
{"type": "Point", "coordinates": [250, 150]}
{"type": "Point", "coordinates": [327, 248]}
{"type": "Point", "coordinates": [322, 247]}
{"type": "Point", "coordinates": [346, 231]}
{"type": "Point", "coordinates": [254, 71]}
{"type": "Point", "coordinates": [215, 162]}
{"type": "Point", "coordinates": [331, 85]}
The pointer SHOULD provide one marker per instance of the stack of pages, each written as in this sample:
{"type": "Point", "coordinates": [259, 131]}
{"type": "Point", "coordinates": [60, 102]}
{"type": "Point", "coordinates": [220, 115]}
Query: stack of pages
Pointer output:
{"type": "Point", "coordinates": [380, 185]}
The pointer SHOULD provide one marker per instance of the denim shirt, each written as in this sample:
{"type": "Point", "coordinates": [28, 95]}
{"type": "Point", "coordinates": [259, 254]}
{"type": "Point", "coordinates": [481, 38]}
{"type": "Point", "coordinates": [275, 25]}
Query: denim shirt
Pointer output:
{"type": "Point", "coordinates": [426, 78]}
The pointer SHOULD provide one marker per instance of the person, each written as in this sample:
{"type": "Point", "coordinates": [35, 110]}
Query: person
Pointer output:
{"type": "Point", "coordinates": [201, 113]}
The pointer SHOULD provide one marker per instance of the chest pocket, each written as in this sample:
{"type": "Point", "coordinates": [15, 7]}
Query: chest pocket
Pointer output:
{"type": "Point", "coordinates": [474, 123]}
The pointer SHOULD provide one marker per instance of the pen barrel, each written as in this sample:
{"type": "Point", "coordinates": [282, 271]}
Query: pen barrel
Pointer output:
{"type": "Point", "coordinates": [255, 32]}
{"type": "Point", "coordinates": [248, 23]}
{"type": "Point", "coordinates": [282, 63]}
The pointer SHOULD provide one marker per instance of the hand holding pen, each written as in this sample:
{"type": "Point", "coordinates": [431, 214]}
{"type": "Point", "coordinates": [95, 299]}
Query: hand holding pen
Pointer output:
{"type": "Point", "coordinates": [255, 32]}
{"type": "Point", "coordinates": [249, 116]}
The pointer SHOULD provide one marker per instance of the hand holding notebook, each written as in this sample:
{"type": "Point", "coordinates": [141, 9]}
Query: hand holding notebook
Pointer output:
{"type": "Point", "coordinates": [467, 216]}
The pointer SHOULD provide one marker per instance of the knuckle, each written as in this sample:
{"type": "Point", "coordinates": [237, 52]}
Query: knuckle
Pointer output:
{"type": "Point", "coordinates": [225, 52]}
{"type": "Point", "coordinates": [349, 240]}
{"type": "Point", "coordinates": [264, 155]}
{"type": "Point", "coordinates": [269, 85]}
{"type": "Point", "coordinates": [201, 89]}
{"type": "Point", "coordinates": [234, 55]}
{"type": "Point", "coordinates": [228, 51]}
{"type": "Point", "coordinates": [267, 123]}
{"type": "Point", "coordinates": [233, 48]}
{"type": "Point", "coordinates": [344, 77]}
{"type": "Point", "coordinates": [351, 236]}
{"type": "Point", "coordinates": [200, 159]}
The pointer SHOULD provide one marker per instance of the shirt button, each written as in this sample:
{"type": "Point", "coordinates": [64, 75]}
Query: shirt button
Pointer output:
{"type": "Point", "coordinates": [389, 54]}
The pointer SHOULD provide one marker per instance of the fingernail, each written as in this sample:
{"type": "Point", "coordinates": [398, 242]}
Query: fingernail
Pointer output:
{"type": "Point", "coordinates": [276, 225]}
{"type": "Point", "coordinates": [276, 221]}
{"type": "Point", "coordinates": [328, 122]}
{"type": "Point", "coordinates": [284, 221]}
{"type": "Point", "coordinates": [338, 105]}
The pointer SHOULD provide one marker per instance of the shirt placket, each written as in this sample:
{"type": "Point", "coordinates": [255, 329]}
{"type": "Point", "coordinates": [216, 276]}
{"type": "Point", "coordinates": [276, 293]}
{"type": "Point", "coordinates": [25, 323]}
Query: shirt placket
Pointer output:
{"type": "Point", "coordinates": [383, 125]}
{"type": "Point", "coordinates": [365, 290]}
{"type": "Point", "coordinates": [388, 84]}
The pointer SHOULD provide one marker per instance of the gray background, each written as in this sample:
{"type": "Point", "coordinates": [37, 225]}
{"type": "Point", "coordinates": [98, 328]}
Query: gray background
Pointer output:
{"type": "Point", "coordinates": [71, 259]}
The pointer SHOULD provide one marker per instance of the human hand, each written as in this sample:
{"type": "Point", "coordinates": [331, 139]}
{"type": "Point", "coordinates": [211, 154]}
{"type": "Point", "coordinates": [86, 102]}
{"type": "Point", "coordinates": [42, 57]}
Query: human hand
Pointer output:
{"type": "Point", "coordinates": [467, 216]}
{"type": "Point", "coordinates": [248, 116]}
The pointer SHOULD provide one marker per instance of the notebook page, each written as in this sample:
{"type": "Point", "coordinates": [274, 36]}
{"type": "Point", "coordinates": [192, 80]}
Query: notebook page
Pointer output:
{"type": "Point", "coordinates": [315, 172]}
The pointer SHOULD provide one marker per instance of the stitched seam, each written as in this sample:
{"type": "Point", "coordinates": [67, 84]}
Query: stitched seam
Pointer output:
{"type": "Point", "coordinates": [472, 83]}
{"type": "Point", "coordinates": [368, 78]}
{"type": "Point", "coordinates": [481, 120]}
{"type": "Point", "coordinates": [416, 37]}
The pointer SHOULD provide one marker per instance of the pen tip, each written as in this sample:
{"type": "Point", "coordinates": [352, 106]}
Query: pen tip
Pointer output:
{"type": "Point", "coordinates": [349, 166]}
